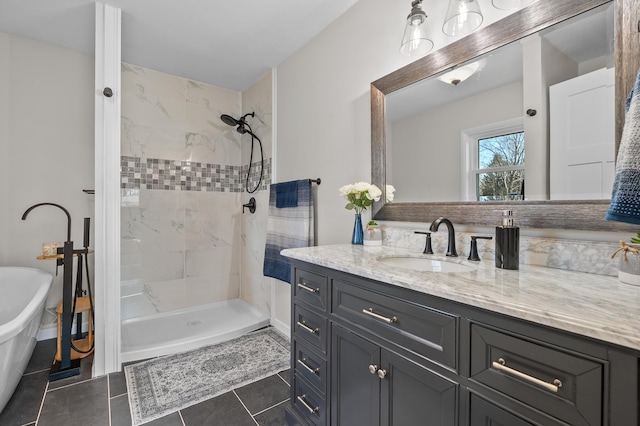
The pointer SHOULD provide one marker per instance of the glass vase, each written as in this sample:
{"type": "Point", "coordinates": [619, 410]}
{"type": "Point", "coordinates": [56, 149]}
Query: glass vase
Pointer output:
{"type": "Point", "coordinates": [372, 235]}
{"type": "Point", "coordinates": [358, 233]}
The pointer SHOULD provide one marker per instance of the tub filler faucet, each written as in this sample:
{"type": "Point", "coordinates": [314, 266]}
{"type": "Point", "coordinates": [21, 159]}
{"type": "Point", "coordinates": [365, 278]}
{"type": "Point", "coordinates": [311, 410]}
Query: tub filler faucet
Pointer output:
{"type": "Point", "coordinates": [66, 367]}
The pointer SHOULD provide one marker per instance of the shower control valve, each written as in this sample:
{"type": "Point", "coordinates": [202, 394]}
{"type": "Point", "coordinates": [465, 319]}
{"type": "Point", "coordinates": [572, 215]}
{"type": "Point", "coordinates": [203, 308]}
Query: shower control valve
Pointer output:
{"type": "Point", "coordinates": [251, 205]}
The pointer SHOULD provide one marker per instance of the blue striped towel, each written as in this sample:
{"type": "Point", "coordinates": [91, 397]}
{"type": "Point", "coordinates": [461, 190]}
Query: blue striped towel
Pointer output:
{"type": "Point", "coordinates": [625, 197]}
{"type": "Point", "coordinates": [288, 227]}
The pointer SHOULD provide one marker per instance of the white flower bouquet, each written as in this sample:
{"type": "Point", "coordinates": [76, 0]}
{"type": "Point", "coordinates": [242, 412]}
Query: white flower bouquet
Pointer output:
{"type": "Point", "coordinates": [361, 195]}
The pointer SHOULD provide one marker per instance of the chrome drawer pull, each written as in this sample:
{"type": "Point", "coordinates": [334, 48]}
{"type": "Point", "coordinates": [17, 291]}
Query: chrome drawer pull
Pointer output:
{"type": "Point", "coordinates": [304, 286]}
{"type": "Point", "coordinates": [312, 410]}
{"type": "Point", "coordinates": [380, 317]}
{"type": "Point", "coordinates": [310, 369]}
{"type": "Point", "coordinates": [308, 329]}
{"type": "Point", "coordinates": [501, 365]}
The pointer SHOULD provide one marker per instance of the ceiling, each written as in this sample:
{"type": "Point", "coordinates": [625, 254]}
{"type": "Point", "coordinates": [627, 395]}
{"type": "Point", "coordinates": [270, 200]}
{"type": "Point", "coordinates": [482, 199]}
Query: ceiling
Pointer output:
{"type": "Point", "coordinates": [227, 43]}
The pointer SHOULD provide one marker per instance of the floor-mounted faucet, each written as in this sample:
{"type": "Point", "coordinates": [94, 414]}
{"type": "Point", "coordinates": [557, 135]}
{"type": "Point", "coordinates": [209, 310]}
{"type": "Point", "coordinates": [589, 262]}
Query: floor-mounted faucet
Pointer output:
{"type": "Point", "coordinates": [451, 244]}
{"type": "Point", "coordinates": [66, 367]}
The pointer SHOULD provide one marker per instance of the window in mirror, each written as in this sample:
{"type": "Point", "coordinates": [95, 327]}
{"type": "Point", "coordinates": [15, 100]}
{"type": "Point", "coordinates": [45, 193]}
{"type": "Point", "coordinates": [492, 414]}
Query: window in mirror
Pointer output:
{"type": "Point", "coordinates": [494, 161]}
{"type": "Point", "coordinates": [500, 174]}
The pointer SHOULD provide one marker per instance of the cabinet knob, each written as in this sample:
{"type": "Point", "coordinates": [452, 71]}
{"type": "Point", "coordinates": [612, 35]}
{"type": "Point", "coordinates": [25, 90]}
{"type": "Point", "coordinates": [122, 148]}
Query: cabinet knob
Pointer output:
{"type": "Point", "coordinates": [382, 373]}
{"type": "Point", "coordinates": [373, 368]}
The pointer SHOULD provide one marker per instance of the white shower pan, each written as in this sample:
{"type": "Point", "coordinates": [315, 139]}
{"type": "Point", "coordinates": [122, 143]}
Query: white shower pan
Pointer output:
{"type": "Point", "coordinates": [188, 329]}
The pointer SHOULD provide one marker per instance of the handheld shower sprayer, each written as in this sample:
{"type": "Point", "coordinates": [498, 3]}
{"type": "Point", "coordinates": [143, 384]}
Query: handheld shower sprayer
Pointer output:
{"type": "Point", "coordinates": [244, 127]}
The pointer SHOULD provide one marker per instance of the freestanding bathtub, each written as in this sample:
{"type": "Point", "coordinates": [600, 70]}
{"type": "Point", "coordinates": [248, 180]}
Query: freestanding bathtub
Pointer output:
{"type": "Point", "coordinates": [24, 293]}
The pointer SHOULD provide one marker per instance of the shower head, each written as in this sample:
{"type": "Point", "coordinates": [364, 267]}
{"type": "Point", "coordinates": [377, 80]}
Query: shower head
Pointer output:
{"type": "Point", "coordinates": [229, 120]}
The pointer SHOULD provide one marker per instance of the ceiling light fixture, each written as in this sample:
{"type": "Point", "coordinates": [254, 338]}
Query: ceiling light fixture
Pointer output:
{"type": "Point", "coordinates": [463, 17]}
{"type": "Point", "coordinates": [460, 74]}
{"type": "Point", "coordinates": [416, 40]}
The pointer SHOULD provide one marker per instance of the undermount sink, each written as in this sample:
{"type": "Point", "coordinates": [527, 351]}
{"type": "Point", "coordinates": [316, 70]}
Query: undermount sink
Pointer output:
{"type": "Point", "coordinates": [425, 264]}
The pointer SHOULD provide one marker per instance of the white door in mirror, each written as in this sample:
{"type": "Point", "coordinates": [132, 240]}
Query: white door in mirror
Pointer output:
{"type": "Point", "coordinates": [582, 133]}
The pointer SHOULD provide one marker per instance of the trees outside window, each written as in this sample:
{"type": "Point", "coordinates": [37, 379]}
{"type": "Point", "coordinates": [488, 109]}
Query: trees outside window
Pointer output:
{"type": "Point", "coordinates": [500, 169]}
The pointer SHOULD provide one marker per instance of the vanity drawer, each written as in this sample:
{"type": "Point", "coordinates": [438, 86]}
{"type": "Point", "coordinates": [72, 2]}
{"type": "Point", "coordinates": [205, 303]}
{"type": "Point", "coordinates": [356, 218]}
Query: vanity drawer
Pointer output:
{"type": "Point", "coordinates": [310, 365]}
{"type": "Point", "coordinates": [425, 331]}
{"type": "Point", "coordinates": [560, 383]}
{"type": "Point", "coordinates": [311, 288]}
{"type": "Point", "coordinates": [309, 403]}
{"type": "Point", "coordinates": [312, 328]}
{"type": "Point", "coordinates": [484, 413]}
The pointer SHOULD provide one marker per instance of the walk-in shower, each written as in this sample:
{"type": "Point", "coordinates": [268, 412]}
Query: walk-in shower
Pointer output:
{"type": "Point", "coordinates": [182, 251]}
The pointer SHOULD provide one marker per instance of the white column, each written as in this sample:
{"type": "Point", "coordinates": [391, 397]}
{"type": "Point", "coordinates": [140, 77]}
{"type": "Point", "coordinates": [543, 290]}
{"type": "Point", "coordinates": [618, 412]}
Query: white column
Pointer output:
{"type": "Point", "coordinates": [107, 185]}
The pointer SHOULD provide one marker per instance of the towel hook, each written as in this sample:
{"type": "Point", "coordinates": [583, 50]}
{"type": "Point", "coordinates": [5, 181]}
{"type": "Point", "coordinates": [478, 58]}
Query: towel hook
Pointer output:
{"type": "Point", "coordinates": [251, 205]}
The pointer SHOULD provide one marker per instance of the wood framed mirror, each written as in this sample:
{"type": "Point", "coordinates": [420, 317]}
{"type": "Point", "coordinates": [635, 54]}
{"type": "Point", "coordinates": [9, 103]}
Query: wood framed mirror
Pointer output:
{"type": "Point", "coordinates": [574, 214]}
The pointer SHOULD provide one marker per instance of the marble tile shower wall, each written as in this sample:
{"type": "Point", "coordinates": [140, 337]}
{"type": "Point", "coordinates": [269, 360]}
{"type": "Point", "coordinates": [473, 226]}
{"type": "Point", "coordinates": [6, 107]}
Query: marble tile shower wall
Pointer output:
{"type": "Point", "coordinates": [181, 183]}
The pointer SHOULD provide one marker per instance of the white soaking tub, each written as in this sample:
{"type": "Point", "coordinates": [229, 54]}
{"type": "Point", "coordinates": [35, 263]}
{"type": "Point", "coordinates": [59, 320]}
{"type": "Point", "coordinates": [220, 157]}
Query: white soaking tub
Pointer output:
{"type": "Point", "coordinates": [24, 293]}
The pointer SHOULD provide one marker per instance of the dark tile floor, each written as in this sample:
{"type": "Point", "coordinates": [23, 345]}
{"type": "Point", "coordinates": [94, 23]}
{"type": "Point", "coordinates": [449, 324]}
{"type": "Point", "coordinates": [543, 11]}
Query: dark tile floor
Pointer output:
{"type": "Point", "coordinates": [103, 401]}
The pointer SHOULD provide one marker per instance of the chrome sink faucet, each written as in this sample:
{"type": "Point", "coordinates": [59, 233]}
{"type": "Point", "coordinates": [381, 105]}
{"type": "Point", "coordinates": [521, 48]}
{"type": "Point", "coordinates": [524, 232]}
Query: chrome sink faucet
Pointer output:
{"type": "Point", "coordinates": [451, 244]}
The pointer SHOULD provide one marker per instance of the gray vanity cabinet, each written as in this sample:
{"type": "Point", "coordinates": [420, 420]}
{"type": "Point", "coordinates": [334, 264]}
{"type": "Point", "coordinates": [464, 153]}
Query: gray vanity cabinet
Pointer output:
{"type": "Point", "coordinates": [368, 353]}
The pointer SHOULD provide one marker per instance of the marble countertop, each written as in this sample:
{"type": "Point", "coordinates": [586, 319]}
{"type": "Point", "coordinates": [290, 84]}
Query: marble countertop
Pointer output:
{"type": "Point", "coordinates": [592, 305]}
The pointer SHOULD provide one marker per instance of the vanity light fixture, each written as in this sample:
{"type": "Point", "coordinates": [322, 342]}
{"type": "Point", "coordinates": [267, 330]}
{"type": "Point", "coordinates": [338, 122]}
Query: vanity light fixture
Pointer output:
{"type": "Point", "coordinates": [463, 17]}
{"type": "Point", "coordinates": [416, 40]}
{"type": "Point", "coordinates": [510, 4]}
{"type": "Point", "coordinates": [458, 75]}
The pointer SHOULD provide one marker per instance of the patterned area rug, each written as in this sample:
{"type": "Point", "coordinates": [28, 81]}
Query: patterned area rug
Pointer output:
{"type": "Point", "coordinates": [161, 386]}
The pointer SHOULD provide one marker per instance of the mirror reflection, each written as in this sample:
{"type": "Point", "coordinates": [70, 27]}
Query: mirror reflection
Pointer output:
{"type": "Point", "coordinates": [533, 120]}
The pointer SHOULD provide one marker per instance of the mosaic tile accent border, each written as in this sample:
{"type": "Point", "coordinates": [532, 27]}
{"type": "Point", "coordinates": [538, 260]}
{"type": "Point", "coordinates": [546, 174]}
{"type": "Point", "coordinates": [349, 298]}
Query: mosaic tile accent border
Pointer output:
{"type": "Point", "coordinates": [177, 175]}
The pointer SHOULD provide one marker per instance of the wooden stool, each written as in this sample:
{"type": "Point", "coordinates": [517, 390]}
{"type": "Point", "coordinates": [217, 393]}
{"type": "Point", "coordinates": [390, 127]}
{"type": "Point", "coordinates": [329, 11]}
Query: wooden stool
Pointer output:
{"type": "Point", "coordinates": [85, 344]}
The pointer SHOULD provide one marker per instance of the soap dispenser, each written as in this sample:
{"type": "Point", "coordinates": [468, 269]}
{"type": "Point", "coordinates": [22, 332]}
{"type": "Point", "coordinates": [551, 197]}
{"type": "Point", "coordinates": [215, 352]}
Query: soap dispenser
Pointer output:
{"type": "Point", "coordinates": [507, 243]}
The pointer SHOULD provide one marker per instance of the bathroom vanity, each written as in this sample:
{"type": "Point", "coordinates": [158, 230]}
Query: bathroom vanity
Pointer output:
{"type": "Point", "coordinates": [375, 343]}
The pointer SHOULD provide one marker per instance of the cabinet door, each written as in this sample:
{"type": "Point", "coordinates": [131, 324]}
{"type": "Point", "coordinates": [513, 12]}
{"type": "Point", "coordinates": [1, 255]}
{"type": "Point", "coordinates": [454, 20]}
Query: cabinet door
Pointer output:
{"type": "Point", "coordinates": [413, 395]}
{"type": "Point", "coordinates": [355, 390]}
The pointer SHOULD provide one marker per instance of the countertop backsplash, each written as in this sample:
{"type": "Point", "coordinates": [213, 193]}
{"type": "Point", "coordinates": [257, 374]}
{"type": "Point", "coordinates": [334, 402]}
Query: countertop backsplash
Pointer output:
{"type": "Point", "coordinates": [574, 255]}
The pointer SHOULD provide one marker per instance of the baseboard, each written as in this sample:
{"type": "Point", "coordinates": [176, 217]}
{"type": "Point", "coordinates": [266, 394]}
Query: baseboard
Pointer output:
{"type": "Point", "coordinates": [281, 326]}
{"type": "Point", "coordinates": [51, 331]}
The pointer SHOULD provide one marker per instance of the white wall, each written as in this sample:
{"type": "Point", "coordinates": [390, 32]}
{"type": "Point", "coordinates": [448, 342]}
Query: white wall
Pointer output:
{"type": "Point", "coordinates": [543, 66]}
{"type": "Point", "coordinates": [323, 103]}
{"type": "Point", "coordinates": [323, 106]}
{"type": "Point", "coordinates": [46, 148]}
